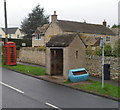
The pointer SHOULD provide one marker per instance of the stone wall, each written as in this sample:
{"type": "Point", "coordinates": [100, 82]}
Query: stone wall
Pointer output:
{"type": "Point", "coordinates": [32, 55]}
{"type": "Point", "coordinates": [93, 65]}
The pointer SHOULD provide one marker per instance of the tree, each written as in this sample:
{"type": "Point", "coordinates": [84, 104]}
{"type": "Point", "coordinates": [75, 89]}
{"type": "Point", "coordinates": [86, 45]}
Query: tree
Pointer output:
{"type": "Point", "coordinates": [116, 26]}
{"type": "Point", "coordinates": [35, 19]}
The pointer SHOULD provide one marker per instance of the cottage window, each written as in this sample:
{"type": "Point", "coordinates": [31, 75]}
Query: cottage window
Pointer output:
{"type": "Point", "coordinates": [17, 36]}
{"type": "Point", "coordinates": [108, 39]}
{"type": "Point", "coordinates": [9, 35]}
{"type": "Point", "coordinates": [38, 36]}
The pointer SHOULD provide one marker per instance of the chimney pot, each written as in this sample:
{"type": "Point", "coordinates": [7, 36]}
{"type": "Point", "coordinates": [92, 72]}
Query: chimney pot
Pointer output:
{"type": "Point", "coordinates": [54, 12]}
{"type": "Point", "coordinates": [104, 23]}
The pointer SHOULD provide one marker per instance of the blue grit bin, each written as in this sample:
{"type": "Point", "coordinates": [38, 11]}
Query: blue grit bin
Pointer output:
{"type": "Point", "coordinates": [77, 75]}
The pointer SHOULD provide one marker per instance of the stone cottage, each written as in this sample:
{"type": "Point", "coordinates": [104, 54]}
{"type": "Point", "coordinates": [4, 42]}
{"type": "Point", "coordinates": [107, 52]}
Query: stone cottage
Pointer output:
{"type": "Point", "coordinates": [64, 52]}
{"type": "Point", "coordinates": [60, 27]}
{"type": "Point", "coordinates": [38, 37]}
{"type": "Point", "coordinates": [91, 41]}
{"type": "Point", "coordinates": [117, 35]}
{"type": "Point", "coordinates": [13, 33]}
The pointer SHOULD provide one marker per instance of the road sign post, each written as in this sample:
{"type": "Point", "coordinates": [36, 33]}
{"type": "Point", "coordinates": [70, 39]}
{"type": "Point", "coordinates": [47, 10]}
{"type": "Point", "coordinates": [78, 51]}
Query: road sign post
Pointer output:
{"type": "Point", "coordinates": [5, 12]}
{"type": "Point", "coordinates": [102, 47]}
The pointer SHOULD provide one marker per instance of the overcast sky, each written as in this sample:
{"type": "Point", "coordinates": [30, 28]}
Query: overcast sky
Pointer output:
{"type": "Point", "coordinates": [93, 11]}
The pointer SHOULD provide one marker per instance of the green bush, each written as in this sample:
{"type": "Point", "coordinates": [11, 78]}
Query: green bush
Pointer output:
{"type": "Point", "coordinates": [20, 41]}
{"type": "Point", "coordinates": [108, 50]}
{"type": "Point", "coordinates": [89, 50]}
{"type": "Point", "coordinates": [18, 47]}
{"type": "Point", "coordinates": [41, 48]}
{"type": "Point", "coordinates": [3, 57]}
{"type": "Point", "coordinates": [98, 51]}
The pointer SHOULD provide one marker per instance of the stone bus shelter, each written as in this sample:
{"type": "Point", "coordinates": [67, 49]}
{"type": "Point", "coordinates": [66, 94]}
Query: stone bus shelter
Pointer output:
{"type": "Point", "coordinates": [64, 52]}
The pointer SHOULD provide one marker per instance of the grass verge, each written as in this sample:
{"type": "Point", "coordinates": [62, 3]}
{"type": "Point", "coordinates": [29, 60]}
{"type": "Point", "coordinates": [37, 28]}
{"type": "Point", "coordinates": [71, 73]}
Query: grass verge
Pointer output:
{"type": "Point", "coordinates": [27, 69]}
{"type": "Point", "coordinates": [96, 87]}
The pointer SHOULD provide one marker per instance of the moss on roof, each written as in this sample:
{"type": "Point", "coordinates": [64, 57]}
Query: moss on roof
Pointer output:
{"type": "Point", "coordinates": [61, 40]}
{"type": "Point", "coordinates": [71, 26]}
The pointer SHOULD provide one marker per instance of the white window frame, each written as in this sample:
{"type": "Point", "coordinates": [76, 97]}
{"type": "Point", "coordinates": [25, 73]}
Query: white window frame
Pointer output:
{"type": "Point", "coordinates": [108, 37]}
{"type": "Point", "coordinates": [38, 36]}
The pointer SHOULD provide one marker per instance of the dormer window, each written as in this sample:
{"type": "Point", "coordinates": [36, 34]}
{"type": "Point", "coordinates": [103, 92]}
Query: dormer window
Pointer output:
{"type": "Point", "coordinates": [38, 36]}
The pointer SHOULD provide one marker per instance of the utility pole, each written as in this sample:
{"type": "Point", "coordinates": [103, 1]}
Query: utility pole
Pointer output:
{"type": "Point", "coordinates": [5, 13]}
{"type": "Point", "coordinates": [102, 46]}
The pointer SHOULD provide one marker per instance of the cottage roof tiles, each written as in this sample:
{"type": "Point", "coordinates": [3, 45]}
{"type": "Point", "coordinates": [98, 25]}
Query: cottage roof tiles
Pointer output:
{"type": "Point", "coordinates": [71, 26]}
{"type": "Point", "coordinates": [43, 28]}
{"type": "Point", "coordinates": [10, 30]}
{"type": "Point", "coordinates": [61, 40]}
{"type": "Point", "coordinates": [92, 41]}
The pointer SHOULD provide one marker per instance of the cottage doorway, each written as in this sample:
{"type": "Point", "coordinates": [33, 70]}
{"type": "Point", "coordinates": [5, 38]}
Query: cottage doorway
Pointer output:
{"type": "Point", "coordinates": [56, 61]}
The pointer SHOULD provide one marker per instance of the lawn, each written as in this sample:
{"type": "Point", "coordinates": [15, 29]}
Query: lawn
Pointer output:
{"type": "Point", "coordinates": [27, 69]}
{"type": "Point", "coordinates": [96, 87]}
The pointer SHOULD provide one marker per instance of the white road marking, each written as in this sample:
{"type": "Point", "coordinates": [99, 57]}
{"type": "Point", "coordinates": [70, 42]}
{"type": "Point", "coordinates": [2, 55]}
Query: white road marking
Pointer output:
{"type": "Point", "coordinates": [51, 105]}
{"type": "Point", "coordinates": [12, 87]}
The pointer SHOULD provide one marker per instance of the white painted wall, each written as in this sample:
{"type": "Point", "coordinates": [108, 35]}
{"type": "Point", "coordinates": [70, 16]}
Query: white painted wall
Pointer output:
{"type": "Point", "coordinates": [2, 34]}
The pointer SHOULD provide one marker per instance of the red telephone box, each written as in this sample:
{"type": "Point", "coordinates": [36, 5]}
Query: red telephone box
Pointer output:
{"type": "Point", "coordinates": [10, 53]}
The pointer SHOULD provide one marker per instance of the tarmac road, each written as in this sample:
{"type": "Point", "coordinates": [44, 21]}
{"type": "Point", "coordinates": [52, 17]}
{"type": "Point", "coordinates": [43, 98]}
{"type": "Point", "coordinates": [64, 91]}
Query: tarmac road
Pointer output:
{"type": "Point", "coordinates": [21, 91]}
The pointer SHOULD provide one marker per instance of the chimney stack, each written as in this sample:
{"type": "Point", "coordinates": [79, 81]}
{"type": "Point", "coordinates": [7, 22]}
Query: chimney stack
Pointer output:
{"type": "Point", "coordinates": [104, 23]}
{"type": "Point", "coordinates": [54, 17]}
